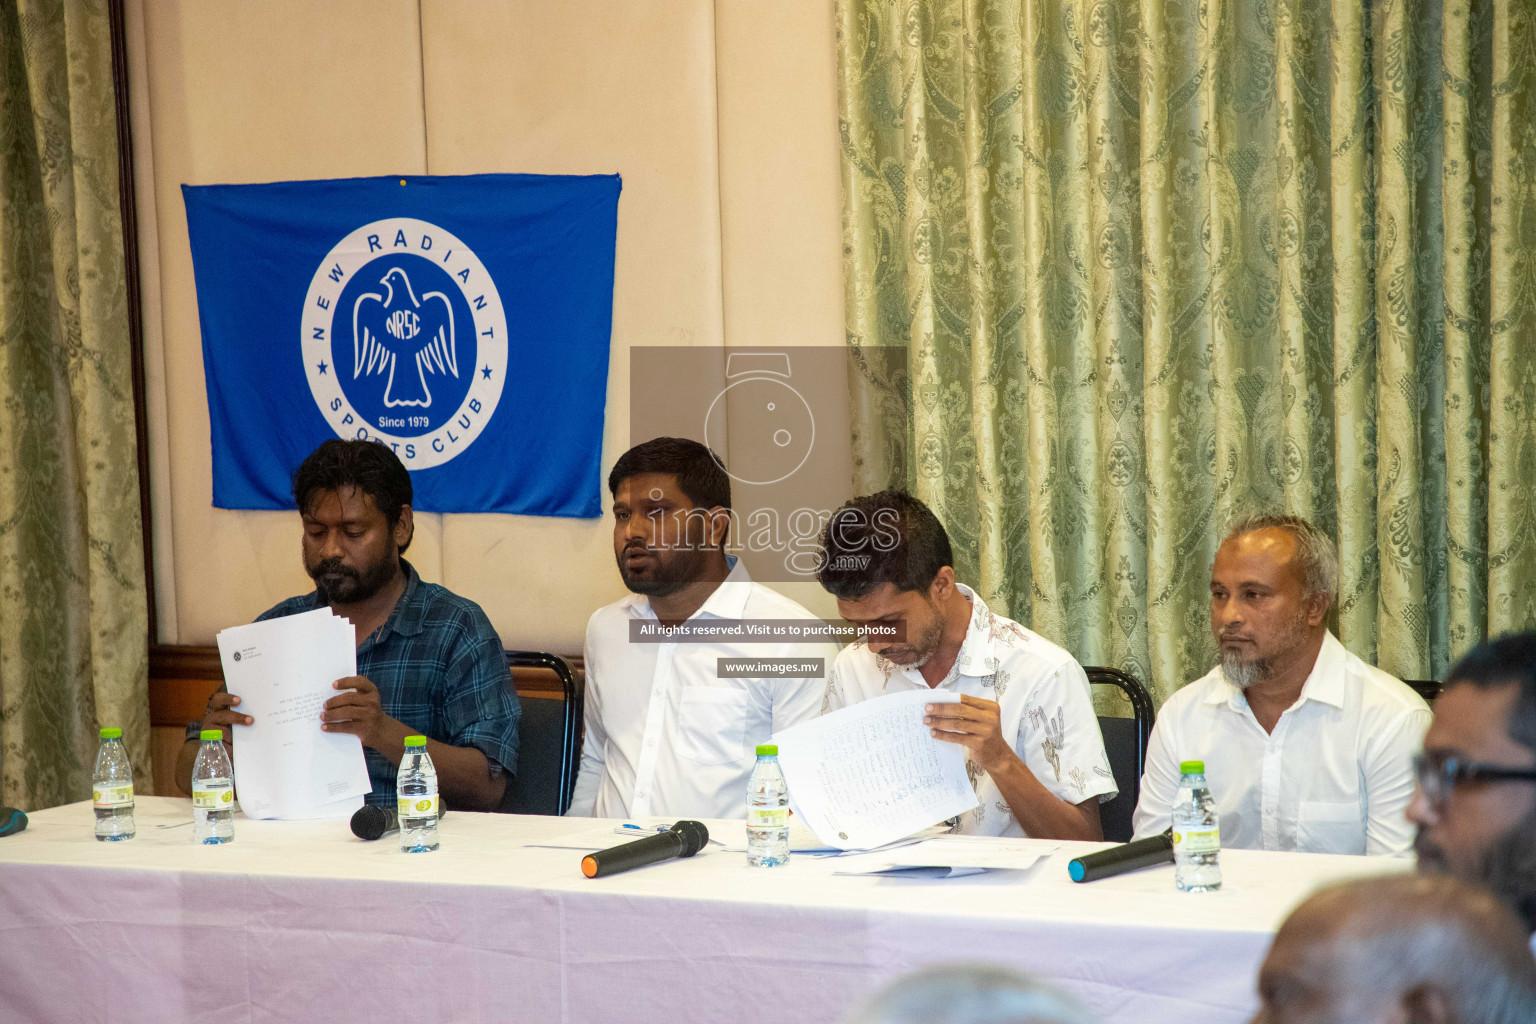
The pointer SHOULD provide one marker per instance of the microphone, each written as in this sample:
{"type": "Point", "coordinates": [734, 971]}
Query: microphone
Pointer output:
{"type": "Point", "coordinates": [371, 822]}
{"type": "Point", "coordinates": [684, 839]}
{"type": "Point", "coordinates": [1117, 860]}
{"type": "Point", "coordinates": [11, 821]}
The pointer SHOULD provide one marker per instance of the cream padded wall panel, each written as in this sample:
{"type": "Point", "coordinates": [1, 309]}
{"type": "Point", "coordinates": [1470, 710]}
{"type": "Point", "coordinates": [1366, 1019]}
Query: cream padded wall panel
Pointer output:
{"type": "Point", "coordinates": [780, 210]}
{"type": "Point", "coordinates": [583, 87]}
{"type": "Point", "coordinates": [780, 205]}
{"type": "Point", "coordinates": [242, 92]}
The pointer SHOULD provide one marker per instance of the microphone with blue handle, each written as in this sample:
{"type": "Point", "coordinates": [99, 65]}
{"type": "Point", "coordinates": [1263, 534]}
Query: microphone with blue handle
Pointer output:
{"type": "Point", "coordinates": [11, 821]}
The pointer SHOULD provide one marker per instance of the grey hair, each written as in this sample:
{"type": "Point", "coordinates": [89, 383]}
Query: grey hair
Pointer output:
{"type": "Point", "coordinates": [1402, 932]}
{"type": "Point", "coordinates": [968, 994]}
{"type": "Point", "coordinates": [1316, 556]}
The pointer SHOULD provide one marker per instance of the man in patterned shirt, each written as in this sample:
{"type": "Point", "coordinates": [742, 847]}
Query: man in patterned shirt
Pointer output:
{"type": "Point", "coordinates": [428, 661]}
{"type": "Point", "coordinates": [1033, 747]}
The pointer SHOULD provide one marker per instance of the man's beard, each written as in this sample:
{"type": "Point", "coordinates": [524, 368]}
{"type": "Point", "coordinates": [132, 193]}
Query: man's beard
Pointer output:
{"type": "Point", "coordinates": [1507, 867]}
{"type": "Point", "coordinates": [1243, 674]}
{"type": "Point", "coordinates": [681, 568]}
{"type": "Point", "coordinates": [352, 586]}
{"type": "Point", "coordinates": [924, 648]}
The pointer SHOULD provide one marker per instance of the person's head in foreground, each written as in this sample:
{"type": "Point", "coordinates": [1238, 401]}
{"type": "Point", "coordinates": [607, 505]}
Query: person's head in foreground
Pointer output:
{"type": "Point", "coordinates": [887, 559]}
{"type": "Point", "coordinates": [671, 511]}
{"type": "Point", "coordinates": [355, 500]}
{"type": "Point", "coordinates": [1475, 807]}
{"type": "Point", "coordinates": [1272, 583]}
{"type": "Point", "coordinates": [960, 994]}
{"type": "Point", "coordinates": [1402, 949]}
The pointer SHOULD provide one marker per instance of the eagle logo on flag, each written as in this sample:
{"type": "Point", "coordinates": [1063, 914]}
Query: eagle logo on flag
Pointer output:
{"type": "Point", "coordinates": [407, 338]}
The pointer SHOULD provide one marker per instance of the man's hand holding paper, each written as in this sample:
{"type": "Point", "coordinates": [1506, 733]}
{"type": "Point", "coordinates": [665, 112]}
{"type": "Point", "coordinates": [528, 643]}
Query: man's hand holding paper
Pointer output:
{"type": "Point", "coordinates": [976, 724]}
{"type": "Point", "coordinates": [286, 764]}
{"type": "Point", "coordinates": [874, 772]}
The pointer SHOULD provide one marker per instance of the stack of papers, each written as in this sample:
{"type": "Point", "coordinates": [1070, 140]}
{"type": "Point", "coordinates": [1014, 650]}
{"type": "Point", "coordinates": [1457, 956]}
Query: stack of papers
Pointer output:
{"type": "Point", "coordinates": [873, 773]}
{"type": "Point", "coordinates": [949, 857]}
{"type": "Point", "coordinates": [282, 670]}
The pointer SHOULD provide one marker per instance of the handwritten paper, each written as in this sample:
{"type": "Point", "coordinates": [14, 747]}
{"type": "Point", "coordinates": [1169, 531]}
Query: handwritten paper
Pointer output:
{"type": "Point", "coordinates": [283, 670]}
{"type": "Point", "coordinates": [872, 773]}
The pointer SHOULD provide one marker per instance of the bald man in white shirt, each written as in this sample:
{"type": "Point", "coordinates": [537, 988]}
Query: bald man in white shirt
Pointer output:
{"type": "Point", "coordinates": [1305, 746]}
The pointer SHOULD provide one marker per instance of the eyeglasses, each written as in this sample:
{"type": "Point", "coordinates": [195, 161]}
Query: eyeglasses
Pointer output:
{"type": "Point", "coordinates": [1438, 775]}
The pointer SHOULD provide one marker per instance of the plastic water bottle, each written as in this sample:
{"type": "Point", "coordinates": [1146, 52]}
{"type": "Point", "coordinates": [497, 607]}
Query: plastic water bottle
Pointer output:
{"type": "Point", "coordinates": [112, 789]}
{"type": "Point", "coordinates": [1196, 832]}
{"type": "Point", "coordinates": [767, 811]}
{"type": "Point", "coordinates": [213, 792]}
{"type": "Point", "coordinates": [416, 798]}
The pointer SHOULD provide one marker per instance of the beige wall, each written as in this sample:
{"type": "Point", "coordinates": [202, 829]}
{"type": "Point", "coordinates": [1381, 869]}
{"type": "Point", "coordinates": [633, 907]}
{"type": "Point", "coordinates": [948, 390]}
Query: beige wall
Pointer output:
{"type": "Point", "coordinates": [721, 117]}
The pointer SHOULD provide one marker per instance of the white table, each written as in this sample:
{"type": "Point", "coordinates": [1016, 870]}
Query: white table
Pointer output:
{"type": "Point", "coordinates": [299, 921]}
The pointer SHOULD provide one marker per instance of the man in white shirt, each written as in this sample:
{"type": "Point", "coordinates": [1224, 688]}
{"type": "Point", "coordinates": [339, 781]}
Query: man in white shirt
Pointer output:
{"type": "Point", "coordinates": [1475, 807]}
{"type": "Point", "coordinates": [665, 734]}
{"type": "Point", "coordinates": [1306, 747]}
{"type": "Point", "coordinates": [1033, 747]}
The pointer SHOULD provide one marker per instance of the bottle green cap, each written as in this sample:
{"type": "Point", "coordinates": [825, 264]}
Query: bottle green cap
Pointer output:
{"type": "Point", "coordinates": [111, 734]}
{"type": "Point", "coordinates": [767, 750]}
{"type": "Point", "coordinates": [1191, 767]}
{"type": "Point", "coordinates": [415, 741]}
{"type": "Point", "coordinates": [211, 734]}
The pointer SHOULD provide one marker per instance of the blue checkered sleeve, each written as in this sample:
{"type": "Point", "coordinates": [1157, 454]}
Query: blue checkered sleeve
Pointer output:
{"type": "Point", "coordinates": [480, 709]}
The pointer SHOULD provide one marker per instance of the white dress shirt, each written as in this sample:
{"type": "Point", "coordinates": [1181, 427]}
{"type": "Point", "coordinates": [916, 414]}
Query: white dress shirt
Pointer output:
{"type": "Point", "coordinates": [1043, 700]}
{"type": "Point", "coordinates": [665, 735]}
{"type": "Point", "coordinates": [1334, 777]}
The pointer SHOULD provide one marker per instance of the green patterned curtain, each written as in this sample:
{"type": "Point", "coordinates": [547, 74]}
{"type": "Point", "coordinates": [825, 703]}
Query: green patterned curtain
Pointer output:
{"type": "Point", "coordinates": [73, 635]}
{"type": "Point", "coordinates": [1158, 263]}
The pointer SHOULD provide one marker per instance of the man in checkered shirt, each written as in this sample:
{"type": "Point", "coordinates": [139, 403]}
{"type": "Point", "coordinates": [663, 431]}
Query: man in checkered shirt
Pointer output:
{"type": "Point", "coordinates": [428, 661]}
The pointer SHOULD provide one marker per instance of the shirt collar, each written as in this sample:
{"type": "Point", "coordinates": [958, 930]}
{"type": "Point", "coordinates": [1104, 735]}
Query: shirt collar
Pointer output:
{"type": "Point", "coordinates": [1325, 683]}
{"type": "Point", "coordinates": [410, 612]}
{"type": "Point", "coordinates": [978, 651]}
{"type": "Point", "coordinates": [729, 600]}
{"type": "Point", "coordinates": [406, 618]}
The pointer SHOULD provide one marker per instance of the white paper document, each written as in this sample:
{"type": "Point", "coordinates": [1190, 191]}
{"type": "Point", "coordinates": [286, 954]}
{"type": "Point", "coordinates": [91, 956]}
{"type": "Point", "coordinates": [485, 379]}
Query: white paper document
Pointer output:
{"type": "Point", "coordinates": [872, 773]}
{"type": "Point", "coordinates": [282, 670]}
{"type": "Point", "coordinates": [961, 855]}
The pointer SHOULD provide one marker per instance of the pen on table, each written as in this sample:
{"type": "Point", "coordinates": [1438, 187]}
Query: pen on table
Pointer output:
{"type": "Point", "coordinates": [631, 829]}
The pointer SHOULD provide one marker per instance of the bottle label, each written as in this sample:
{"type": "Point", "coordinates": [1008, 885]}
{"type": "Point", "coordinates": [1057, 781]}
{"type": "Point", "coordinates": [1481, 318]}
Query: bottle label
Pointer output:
{"type": "Point", "coordinates": [113, 796]}
{"type": "Point", "coordinates": [1196, 840]}
{"type": "Point", "coordinates": [418, 806]}
{"type": "Point", "coordinates": [767, 817]}
{"type": "Point", "coordinates": [213, 794]}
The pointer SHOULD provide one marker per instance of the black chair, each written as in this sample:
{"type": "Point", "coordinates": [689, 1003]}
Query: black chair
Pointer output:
{"type": "Point", "coordinates": [1429, 689]}
{"type": "Point", "coordinates": [548, 741]}
{"type": "Point", "coordinates": [1125, 741]}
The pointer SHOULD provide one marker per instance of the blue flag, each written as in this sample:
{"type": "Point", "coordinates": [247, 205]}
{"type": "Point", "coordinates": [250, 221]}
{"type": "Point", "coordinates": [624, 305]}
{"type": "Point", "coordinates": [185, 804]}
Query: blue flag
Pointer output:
{"type": "Point", "coordinates": [463, 321]}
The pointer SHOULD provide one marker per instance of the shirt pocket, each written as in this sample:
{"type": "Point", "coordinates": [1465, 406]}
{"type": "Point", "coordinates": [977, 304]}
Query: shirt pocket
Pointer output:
{"type": "Point", "coordinates": [1330, 826]}
{"type": "Point", "coordinates": [712, 724]}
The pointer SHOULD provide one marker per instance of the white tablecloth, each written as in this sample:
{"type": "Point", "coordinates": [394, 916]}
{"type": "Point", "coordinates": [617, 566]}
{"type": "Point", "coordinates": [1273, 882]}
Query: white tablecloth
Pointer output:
{"type": "Point", "coordinates": [299, 921]}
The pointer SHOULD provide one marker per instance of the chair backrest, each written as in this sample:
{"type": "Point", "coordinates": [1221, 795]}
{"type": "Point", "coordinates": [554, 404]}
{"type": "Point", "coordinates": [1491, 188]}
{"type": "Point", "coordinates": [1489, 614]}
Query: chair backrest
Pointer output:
{"type": "Point", "coordinates": [1429, 689]}
{"type": "Point", "coordinates": [548, 741]}
{"type": "Point", "coordinates": [1125, 741]}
